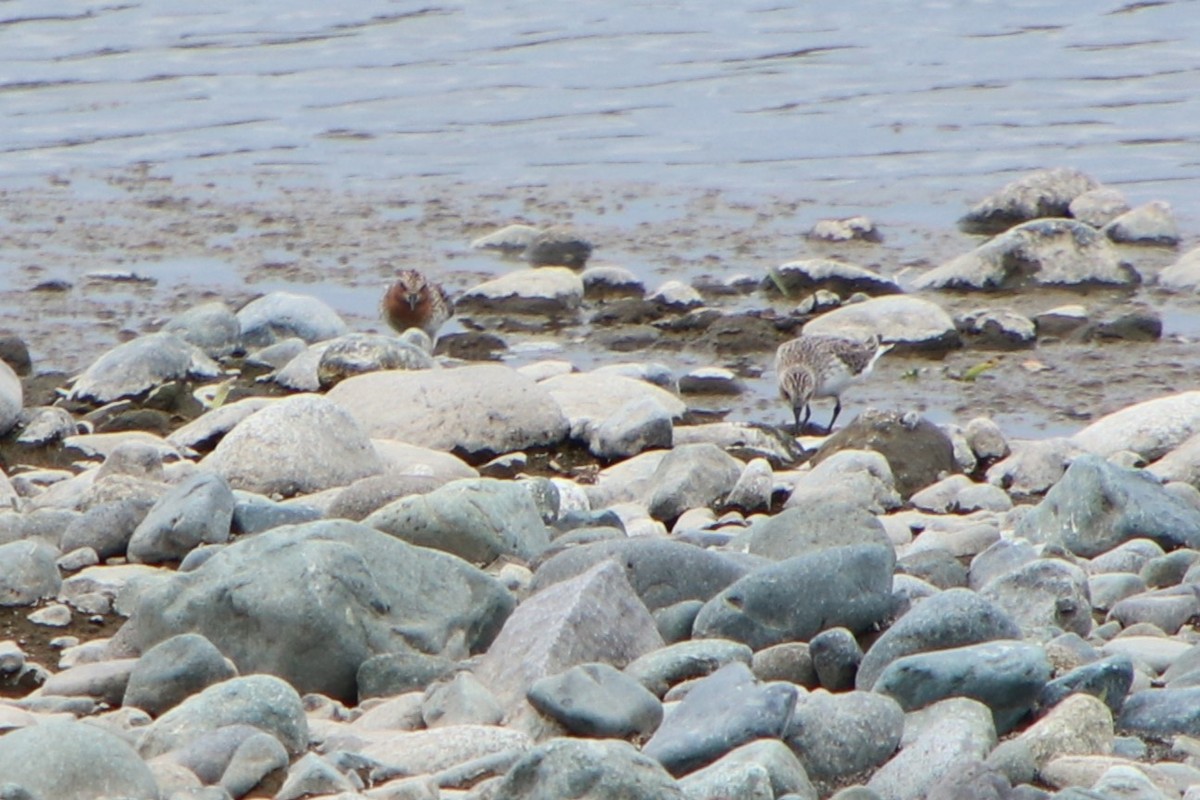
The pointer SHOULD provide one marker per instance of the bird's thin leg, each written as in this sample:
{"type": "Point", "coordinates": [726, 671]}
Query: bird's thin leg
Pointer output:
{"type": "Point", "coordinates": [837, 409]}
{"type": "Point", "coordinates": [807, 414]}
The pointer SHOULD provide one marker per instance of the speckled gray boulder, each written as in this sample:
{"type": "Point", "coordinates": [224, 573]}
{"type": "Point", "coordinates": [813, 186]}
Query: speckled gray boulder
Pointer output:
{"type": "Point", "coordinates": [953, 618]}
{"type": "Point", "coordinates": [1044, 597]}
{"type": "Point", "coordinates": [311, 602]}
{"type": "Point", "coordinates": [722, 711]}
{"type": "Point", "coordinates": [839, 735]}
{"type": "Point", "coordinates": [212, 327]}
{"type": "Point", "coordinates": [173, 670]}
{"type": "Point", "coordinates": [138, 366]}
{"type": "Point", "coordinates": [1098, 505]}
{"type": "Point", "coordinates": [476, 519]}
{"type": "Point", "coordinates": [597, 700]}
{"type": "Point", "coordinates": [690, 476]}
{"type": "Point", "coordinates": [640, 424]}
{"type": "Point", "coordinates": [1044, 193]}
{"type": "Point", "coordinates": [106, 527]}
{"type": "Point", "coordinates": [796, 531]}
{"type": "Point", "coordinates": [195, 512]}
{"type": "Point", "coordinates": [765, 768]}
{"type": "Point", "coordinates": [282, 315]}
{"type": "Point", "coordinates": [28, 572]}
{"type": "Point", "coordinates": [847, 586]}
{"type": "Point", "coordinates": [1161, 713]}
{"type": "Point", "coordinates": [67, 760]}
{"type": "Point", "coordinates": [273, 450]}
{"type": "Point", "coordinates": [604, 769]}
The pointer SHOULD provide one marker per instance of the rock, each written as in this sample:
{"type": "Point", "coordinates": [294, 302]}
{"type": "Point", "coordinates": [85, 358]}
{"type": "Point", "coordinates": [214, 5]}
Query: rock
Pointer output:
{"type": "Point", "coordinates": [1061, 320]}
{"type": "Point", "coordinates": [1184, 274]}
{"type": "Point", "coordinates": [938, 740]}
{"type": "Point", "coordinates": [28, 572]}
{"type": "Point", "coordinates": [558, 247]}
{"type": "Point", "coordinates": [476, 519]}
{"type": "Point", "coordinates": [212, 327]}
{"type": "Point", "coordinates": [358, 353]}
{"type": "Point", "coordinates": [597, 700]}
{"type": "Point", "coordinates": [918, 452]}
{"type": "Point", "coordinates": [173, 670]}
{"type": "Point", "coordinates": [797, 278]}
{"type": "Point", "coordinates": [595, 616]}
{"type": "Point", "coordinates": [910, 323]}
{"type": "Point", "coordinates": [455, 409]}
{"type": "Point", "coordinates": [639, 424]}
{"type": "Point", "coordinates": [755, 488]}
{"type": "Point", "coordinates": [1161, 713]}
{"type": "Point", "coordinates": [857, 228]}
{"type": "Point", "coordinates": [1151, 428]}
{"type": "Point", "coordinates": [690, 476]}
{"type": "Point", "coordinates": [1080, 725]}
{"type": "Point", "coordinates": [598, 770]}
{"type": "Point", "coordinates": [195, 512]}
{"type": "Point", "coordinates": [1044, 193]}
{"type": "Point", "coordinates": [835, 658]}
{"type": "Point", "coordinates": [1033, 467]}
{"type": "Point", "coordinates": [68, 760]}
{"type": "Point", "coordinates": [282, 315]}
{"type": "Point", "coordinates": [15, 353]}
{"type": "Point", "coordinates": [605, 282]}
{"type": "Point", "coordinates": [313, 775]}
{"type": "Point", "coordinates": [665, 667]}
{"type": "Point", "coordinates": [953, 618]}
{"type": "Point", "coordinates": [316, 577]}
{"type": "Point", "coordinates": [797, 531]}
{"type": "Point", "coordinates": [848, 477]}
{"type": "Point", "coordinates": [402, 669]}
{"type": "Point", "coordinates": [1096, 506]}
{"type": "Point", "coordinates": [1045, 252]}
{"type": "Point", "coordinates": [40, 425]}
{"type": "Point", "coordinates": [139, 366]}
{"type": "Point", "coordinates": [765, 766]}
{"type": "Point", "coordinates": [206, 430]}
{"type": "Point", "coordinates": [986, 439]}
{"type": "Point", "coordinates": [12, 398]}
{"type": "Point", "coordinates": [265, 702]}
{"type": "Point", "coordinates": [271, 451]}
{"type": "Point", "coordinates": [1044, 596]}
{"type": "Point", "coordinates": [588, 399]}
{"type": "Point", "coordinates": [676, 296]}
{"type": "Point", "coordinates": [849, 586]}
{"type": "Point", "coordinates": [253, 513]}
{"type": "Point", "coordinates": [1108, 679]}
{"type": "Point", "coordinates": [1152, 223]}
{"type": "Point", "coordinates": [1167, 609]}
{"type": "Point", "coordinates": [510, 239]}
{"type": "Point", "coordinates": [958, 494]}
{"type": "Point", "coordinates": [1097, 207]}
{"type": "Point", "coordinates": [722, 711]}
{"type": "Point", "coordinates": [300, 374]}
{"type": "Point", "coordinates": [1007, 676]}
{"type": "Point", "coordinates": [663, 572]}
{"type": "Point", "coordinates": [544, 291]}
{"type": "Point", "coordinates": [712, 381]}
{"type": "Point", "coordinates": [997, 329]}
{"type": "Point", "coordinates": [106, 527]}
{"type": "Point", "coordinates": [55, 615]}
{"type": "Point", "coordinates": [837, 736]}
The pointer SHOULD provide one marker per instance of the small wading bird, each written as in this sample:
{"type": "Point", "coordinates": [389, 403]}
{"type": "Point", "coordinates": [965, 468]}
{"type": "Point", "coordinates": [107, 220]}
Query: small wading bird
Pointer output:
{"type": "Point", "coordinates": [813, 365]}
{"type": "Point", "coordinates": [414, 301]}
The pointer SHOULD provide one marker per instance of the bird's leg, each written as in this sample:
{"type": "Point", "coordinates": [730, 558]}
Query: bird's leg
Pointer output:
{"type": "Point", "coordinates": [796, 414]}
{"type": "Point", "coordinates": [837, 409]}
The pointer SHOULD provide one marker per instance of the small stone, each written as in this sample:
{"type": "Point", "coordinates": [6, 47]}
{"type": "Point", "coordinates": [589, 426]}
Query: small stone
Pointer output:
{"type": "Point", "coordinates": [1152, 224]}
{"type": "Point", "coordinates": [847, 229]}
{"type": "Point", "coordinates": [711, 380]}
{"type": "Point", "coordinates": [676, 296]}
{"type": "Point", "coordinates": [558, 247]}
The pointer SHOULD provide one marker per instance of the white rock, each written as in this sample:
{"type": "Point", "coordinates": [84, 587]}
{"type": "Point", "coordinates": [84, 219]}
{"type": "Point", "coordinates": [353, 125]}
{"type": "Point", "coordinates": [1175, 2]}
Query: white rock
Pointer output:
{"type": "Point", "coordinates": [902, 319]}
{"type": "Point", "coordinates": [541, 290]}
{"type": "Point", "coordinates": [1184, 274]}
{"type": "Point", "coordinates": [588, 398]}
{"type": "Point", "coordinates": [1151, 428]}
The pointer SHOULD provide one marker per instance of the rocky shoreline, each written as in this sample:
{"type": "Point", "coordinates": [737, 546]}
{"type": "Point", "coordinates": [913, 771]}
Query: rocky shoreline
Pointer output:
{"type": "Point", "coordinates": [260, 554]}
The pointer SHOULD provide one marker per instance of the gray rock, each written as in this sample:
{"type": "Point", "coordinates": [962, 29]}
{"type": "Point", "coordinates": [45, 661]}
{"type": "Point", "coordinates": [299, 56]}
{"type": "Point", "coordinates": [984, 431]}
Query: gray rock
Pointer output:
{"type": "Point", "coordinates": [197, 511]}
{"type": "Point", "coordinates": [1108, 679]}
{"type": "Point", "coordinates": [106, 528]}
{"type": "Point", "coordinates": [595, 616]}
{"type": "Point", "coordinates": [232, 756]}
{"type": "Point", "coordinates": [212, 327]}
{"type": "Point", "coordinates": [1170, 569]}
{"type": "Point", "coordinates": [610, 282]}
{"type": "Point", "coordinates": [722, 711]}
{"type": "Point", "coordinates": [316, 577]}
{"type": "Point", "coordinates": [848, 586]}
{"type": "Point", "coordinates": [597, 700]}
{"type": "Point", "coordinates": [918, 451]}
{"type": "Point", "coordinates": [797, 278]}
{"type": "Point", "coordinates": [256, 756]}
{"type": "Point", "coordinates": [454, 409]}
{"type": "Point", "coordinates": [476, 519]}
{"type": "Point", "coordinates": [1107, 589]}
{"type": "Point", "coordinates": [986, 439]}
{"type": "Point", "coordinates": [263, 701]}
{"type": "Point", "coordinates": [1167, 609]}
{"type": "Point", "coordinates": [1097, 505]}
{"type": "Point", "coordinates": [1151, 428]}
{"type": "Point", "coordinates": [548, 290]}
{"type": "Point", "coordinates": [138, 366]}
{"type": "Point", "coordinates": [953, 618]}
{"type": "Point", "coordinates": [366, 495]}
{"type": "Point", "coordinates": [12, 398]}
{"type": "Point", "coordinates": [67, 760]}
{"type": "Point", "coordinates": [510, 239]}
{"type": "Point", "coordinates": [835, 657]}
{"type": "Point", "coordinates": [313, 775]}
{"type": "Point", "coordinates": [1000, 557]}
{"type": "Point", "coordinates": [1152, 223]}
{"type": "Point", "coordinates": [206, 430]}
{"type": "Point", "coordinates": [103, 680]}
{"type": "Point", "coordinates": [1161, 713]}
{"type": "Point", "coordinates": [755, 488]}
{"type": "Point", "coordinates": [1005, 675]}
{"type": "Point", "coordinates": [840, 735]}
{"type": "Point", "coordinates": [598, 770]}
{"type": "Point", "coordinates": [639, 424]}
{"type": "Point", "coordinates": [1044, 252]}
{"type": "Point", "coordinates": [690, 476]}
{"type": "Point", "coordinates": [300, 374]}
{"type": "Point", "coordinates": [938, 741]}
{"type": "Point", "coordinates": [796, 531]}
{"type": "Point", "coordinates": [936, 566]}
{"type": "Point", "coordinates": [711, 381]}
{"type": "Point", "coordinates": [174, 670]}
{"type": "Point", "coordinates": [974, 781]}
{"type": "Point", "coordinates": [1184, 274]}
{"type": "Point", "coordinates": [28, 572]}
{"type": "Point", "coordinates": [911, 323]}
{"type": "Point", "coordinates": [676, 296]}
{"type": "Point", "coordinates": [253, 513]}
{"type": "Point", "coordinates": [766, 765]}
{"type": "Point", "coordinates": [663, 572]}
{"type": "Point", "coordinates": [358, 353]}
{"type": "Point", "coordinates": [1128, 556]}
{"type": "Point", "coordinates": [558, 246]}
{"type": "Point", "coordinates": [460, 700]}
{"type": "Point", "coordinates": [1044, 193]}
{"type": "Point", "coordinates": [789, 661]}
{"type": "Point", "coordinates": [401, 670]}
{"type": "Point", "coordinates": [860, 478]}
{"type": "Point", "coordinates": [1034, 466]}
{"type": "Point", "coordinates": [1097, 207]}
{"type": "Point", "coordinates": [271, 452]}
{"type": "Point", "coordinates": [997, 329]}
{"type": "Point", "coordinates": [1044, 596]}
{"type": "Point", "coordinates": [665, 667]}
{"type": "Point", "coordinates": [675, 622]}
{"type": "Point", "coordinates": [282, 315]}
{"type": "Point", "coordinates": [588, 399]}
{"type": "Point", "coordinates": [42, 425]}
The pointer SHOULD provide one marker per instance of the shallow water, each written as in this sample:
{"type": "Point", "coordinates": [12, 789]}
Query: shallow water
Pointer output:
{"type": "Point", "coordinates": [229, 148]}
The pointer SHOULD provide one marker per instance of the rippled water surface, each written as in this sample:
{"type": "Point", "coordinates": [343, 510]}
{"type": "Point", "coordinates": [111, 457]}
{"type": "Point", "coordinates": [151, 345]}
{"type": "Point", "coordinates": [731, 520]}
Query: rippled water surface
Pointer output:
{"type": "Point", "coordinates": [219, 142]}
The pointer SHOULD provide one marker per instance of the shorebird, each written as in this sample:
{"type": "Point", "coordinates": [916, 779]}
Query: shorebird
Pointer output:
{"type": "Point", "coordinates": [814, 365]}
{"type": "Point", "coordinates": [414, 301]}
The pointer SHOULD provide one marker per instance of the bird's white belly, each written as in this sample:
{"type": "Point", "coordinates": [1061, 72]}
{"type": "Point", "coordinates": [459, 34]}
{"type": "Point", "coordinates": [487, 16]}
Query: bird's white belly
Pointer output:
{"type": "Point", "coordinates": [833, 382]}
